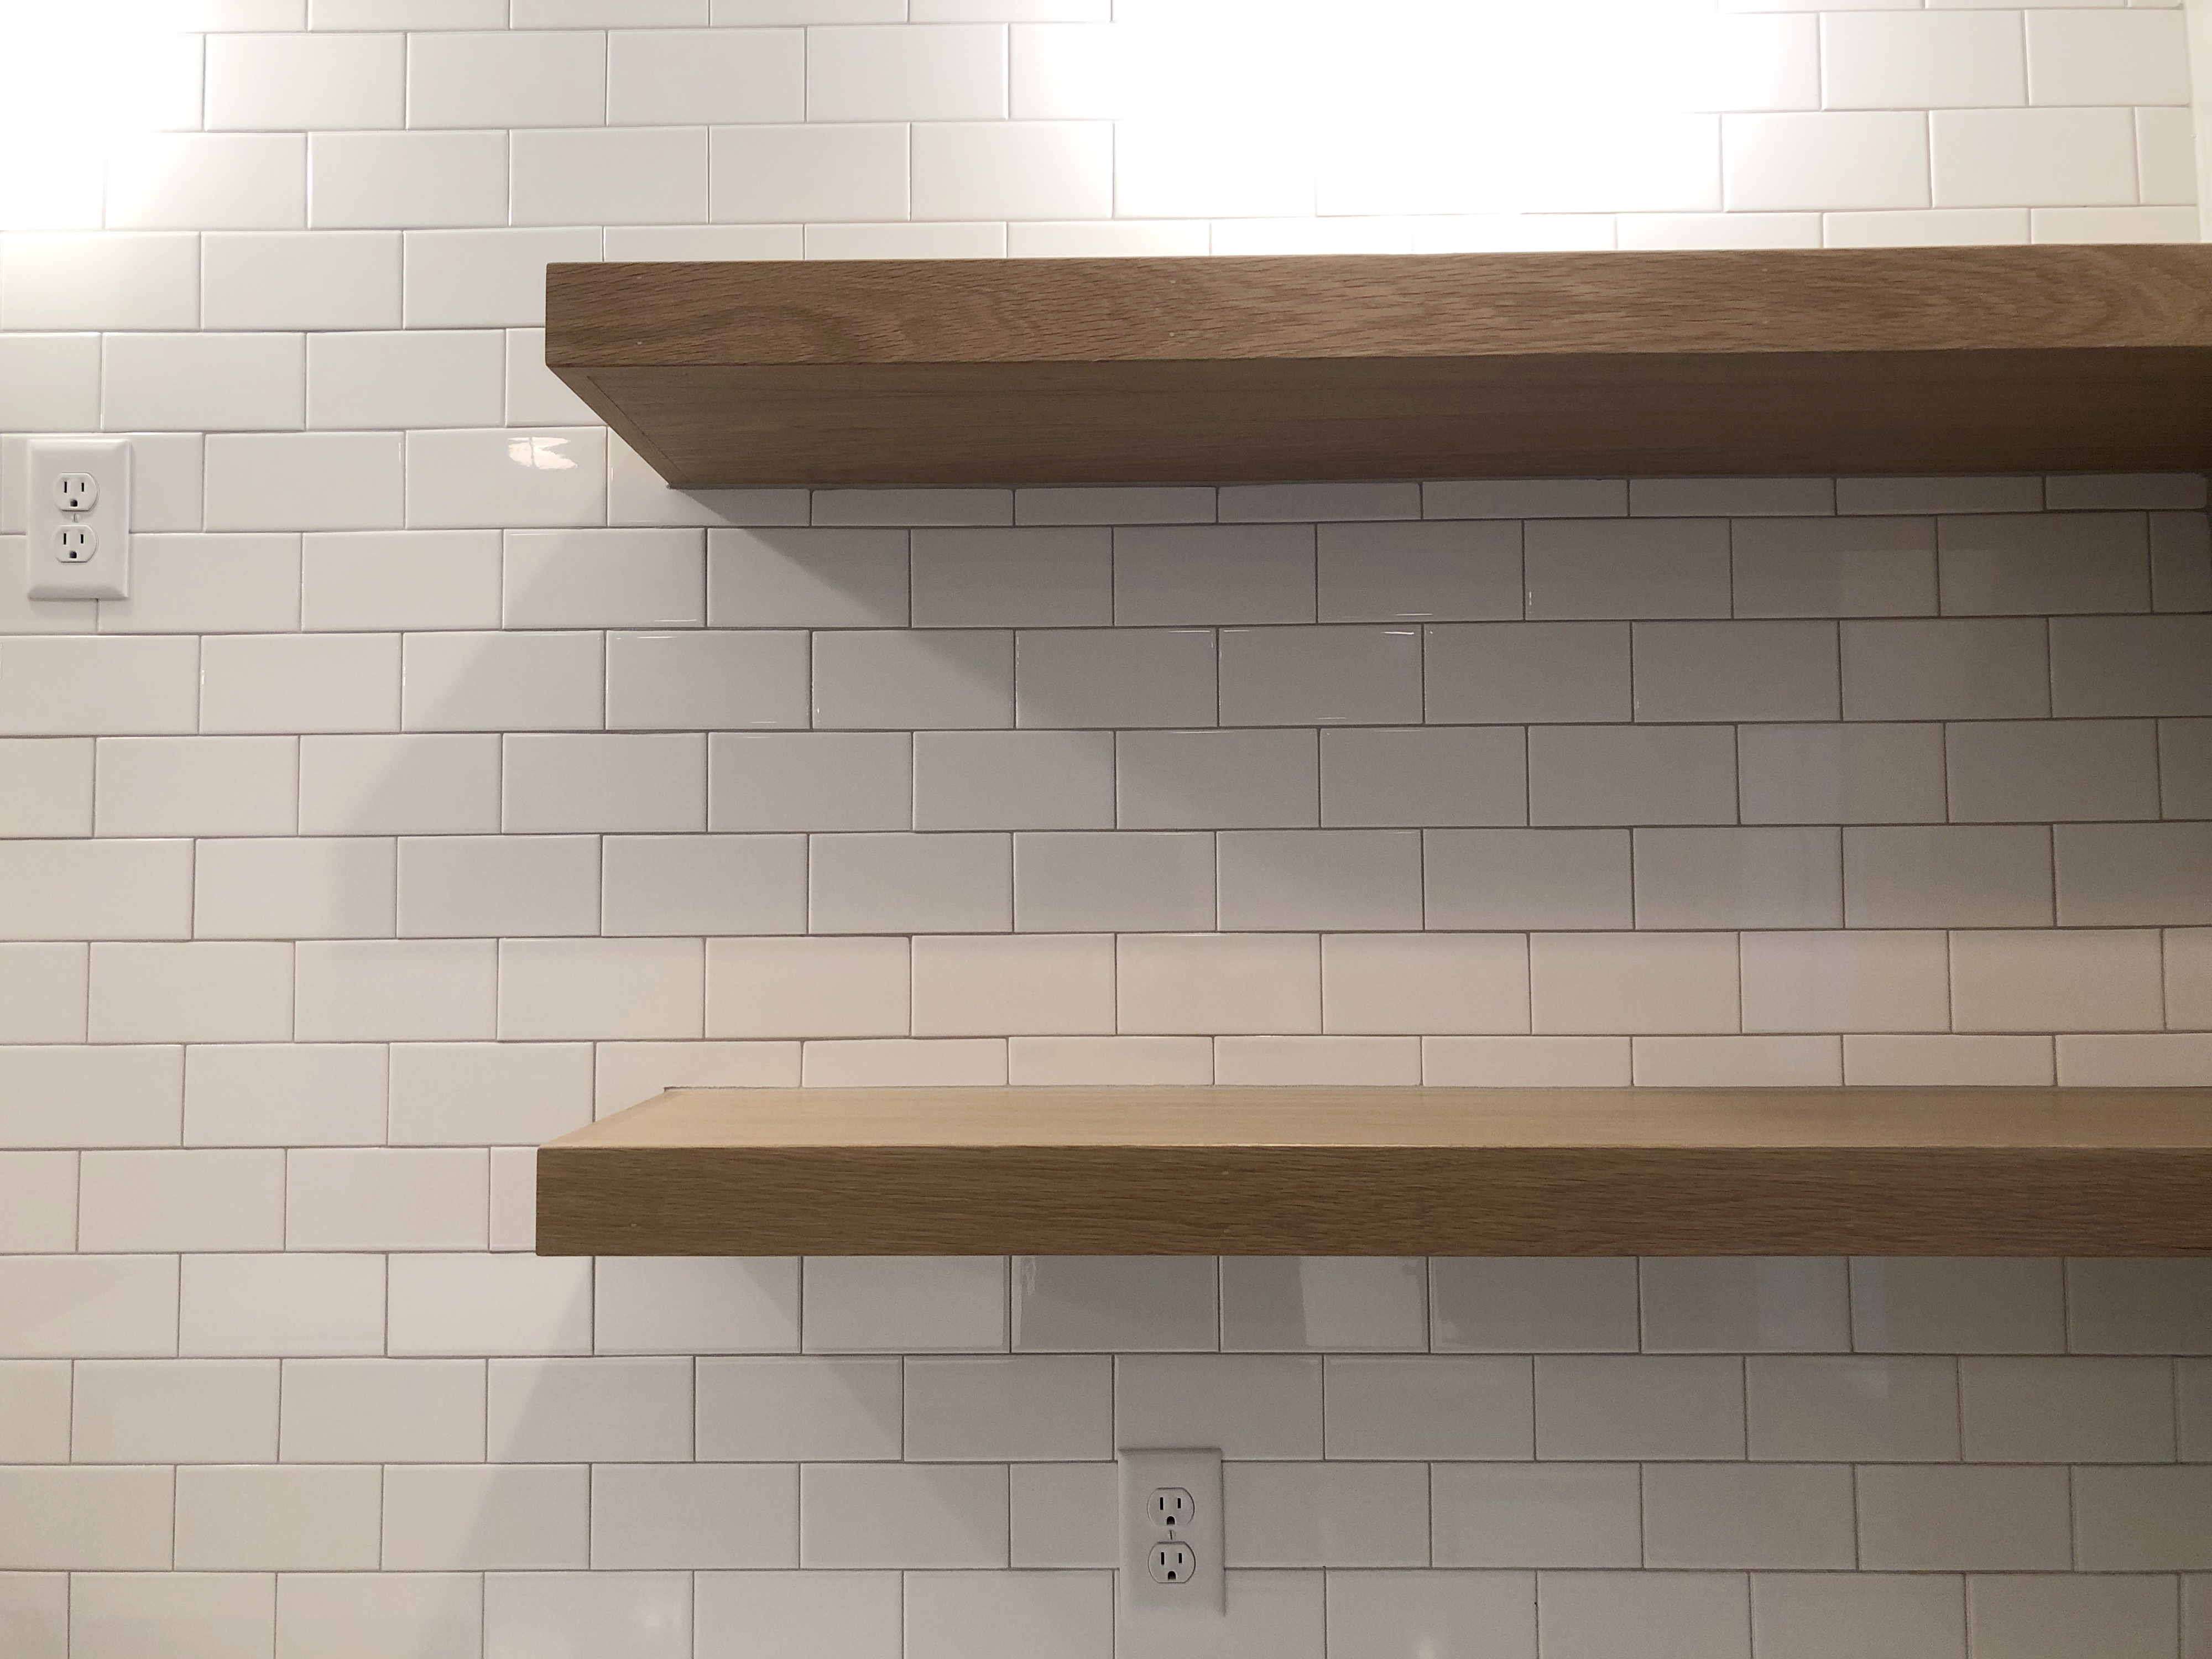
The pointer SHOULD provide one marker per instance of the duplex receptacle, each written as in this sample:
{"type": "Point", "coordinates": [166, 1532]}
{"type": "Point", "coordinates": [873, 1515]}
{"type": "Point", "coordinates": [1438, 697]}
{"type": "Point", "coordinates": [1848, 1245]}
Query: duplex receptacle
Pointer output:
{"type": "Point", "coordinates": [1171, 1536]}
{"type": "Point", "coordinates": [78, 516]}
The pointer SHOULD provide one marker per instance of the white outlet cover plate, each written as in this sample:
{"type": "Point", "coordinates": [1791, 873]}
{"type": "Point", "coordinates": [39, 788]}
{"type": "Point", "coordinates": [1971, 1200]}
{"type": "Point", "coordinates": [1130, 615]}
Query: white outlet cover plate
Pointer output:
{"type": "Point", "coordinates": [106, 574]}
{"type": "Point", "coordinates": [1197, 1471]}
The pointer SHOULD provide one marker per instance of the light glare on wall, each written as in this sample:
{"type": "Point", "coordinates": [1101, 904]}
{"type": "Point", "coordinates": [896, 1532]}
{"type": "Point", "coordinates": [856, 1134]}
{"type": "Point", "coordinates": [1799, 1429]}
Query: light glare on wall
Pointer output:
{"type": "Point", "coordinates": [79, 79]}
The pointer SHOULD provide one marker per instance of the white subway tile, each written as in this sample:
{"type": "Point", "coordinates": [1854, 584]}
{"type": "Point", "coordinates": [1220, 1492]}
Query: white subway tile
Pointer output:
{"type": "Point", "coordinates": [191, 992]}
{"type": "Point", "coordinates": [1013, 779]}
{"type": "Point", "coordinates": [895, 680]}
{"type": "Point", "coordinates": [1422, 776]}
{"type": "Point", "coordinates": [618, 175]}
{"type": "Point", "coordinates": [1118, 677]}
{"type": "Point", "coordinates": [401, 581]}
{"type": "Point", "coordinates": [1843, 567]}
{"type": "Point", "coordinates": [911, 1304]}
{"type": "Point", "coordinates": [1773, 1516]}
{"type": "Point", "coordinates": [299, 279]}
{"type": "Point", "coordinates": [1361, 1304]}
{"type": "Point", "coordinates": [1528, 878]}
{"type": "Point", "coordinates": [660, 885]}
{"type": "Point", "coordinates": [1536, 1515]}
{"type": "Point", "coordinates": [1430, 1408]}
{"type": "Point", "coordinates": [468, 886]}
{"type": "Point", "coordinates": [284, 1094]}
{"type": "Point", "coordinates": [1862, 773]}
{"type": "Point", "coordinates": [605, 578]}
{"type": "Point", "coordinates": [383, 1411]}
{"type": "Point", "coordinates": [589, 781]}
{"type": "Point", "coordinates": [815, 173]}
{"type": "Point", "coordinates": [46, 787]}
{"type": "Point", "coordinates": [1322, 1061]}
{"type": "Point", "coordinates": [1735, 670]}
{"type": "Point", "coordinates": [1077, 883]}
{"type": "Point", "coordinates": [2143, 1519]}
{"type": "Point", "coordinates": [1417, 983]}
{"type": "Point", "coordinates": [305, 481]}
{"type": "Point", "coordinates": [1418, 572]}
{"type": "Point", "coordinates": [1219, 983]}
{"type": "Point", "coordinates": [931, 74]}
{"type": "Point", "coordinates": [2068, 1411]}
{"type": "Point", "coordinates": [290, 82]}
{"type": "Point", "coordinates": [1208, 779]}
{"type": "Point", "coordinates": [467, 1517]}
{"type": "Point", "coordinates": [1014, 170]}
{"type": "Point", "coordinates": [282, 1305]}
{"type": "Point", "coordinates": [181, 1200]}
{"type": "Point", "coordinates": [1525, 498]}
{"type": "Point", "coordinates": [209, 585]}
{"type": "Point", "coordinates": [398, 785]}
{"type": "Point", "coordinates": [1652, 1407]}
{"type": "Point", "coordinates": [1738, 1062]}
{"type": "Point", "coordinates": [1858, 1409]}
{"type": "Point", "coordinates": [900, 883]}
{"type": "Point", "coordinates": [553, 476]}
{"type": "Point", "coordinates": [806, 579]}
{"type": "Point", "coordinates": [554, 988]}
{"type": "Point", "coordinates": [174, 1411]}
{"type": "Point", "coordinates": [1015, 1613]}
{"type": "Point", "coordinates": [373, 1198]}
{"type": "Point", "coordinates": [358, 1615]}
{"type": "Point", "coordinates": [1753, 878]}
{"type": "Point", "coordinates": [1048, 1061]}
{"type": "Point", "coordinates": [807, 988]}
{"type": "Point", "coordinates": [805, 1615]}
{"type": "Point", "coordinates": [71, 1095]}
{"type": "Point", "coordinates": [1956, 1305]}
{"type": "Point", "coordinates": [1022, 1409]}
{"type": "Point", "coordinates": [913, 1515]}
{"type": "Point", "coordinates": [1213, 574]}
{"type": "Point", "coordinates": [1112, 504]}
{"type": "Point", "coordinates": [118, 280]}
{"type": "Point", "coordinates": [1097, 1302]}
{"type": "Point", "coordinates": [1349, 1515]}
{"type": "Point", "coordinates": [39, 1217]}
{"type": "Point", "coordinates": [380, 180]}
{"type": "Point", "coordinates": [499, 79]}
{"type": "Point", "coordinates": [95, 890]}
{"type": "Point", "coordinates": [1611, 982]}
{"type": "Point", "coordinates": [817, 781]}
{"type": "Point", "coordinates": [689, 1305]}
{"type": "Point", "coordinates": [1529, 1062]}
{"type": "Point", "coordinates": [2016, 158]}
{"type": "Point", "coordinates": [119, 1520]}
{"type": "Point", "coordinates": [1930, 1518]}
{"type": "Point", "coordinates": [2146, 1307]}
{"type": "Point", "coordinates": [698, 1516]}
{"type": "Point", "coordinates": [1019, 986]}
{"type": "Point", "coordinates": [806, 1409]}
{"type": "Point", "coordinates": [1948, 1061]}
{"type": "Point", "coordinates": [1861, 981]}
{"type": "Point", "coordinates": [1320, 879]}
{"type": "Point", "coordinates": [1745, 1304]}
{"type": "Point", "coordinates": [2119, 57]}
{"type": "Point", "coordinates": [1320, 676]}
{"type": "Point", "coordinates": [385, 990]}
{"type": "Point", "coordinates": [419, 378]}
{"type": "Point", "coordinates": [1599, 567]}
{"type": "Point", "coordinates": [1252, 1406]}
{"type": "Point", "coordinates": [487, 1304]}
{"type": "Point", "coordinates": [52, 384]}
{"type": "Point", "coordinates": [2030, 1617]}
{"type": "Point", "coordinates": [2163, 1060]}
{"type": "Point", "coordinates": [1374, 1613]}
{"type": "Point", "coordinates": [1923, 60]}
{"type": "Point", "coordinates": [284, 1519]}
{"type": "Point", "coordinates": [208, 181]}
{"type": "Point", "coordinates": [635, 493]}
{"type": "Point", "coordinates": [2130, 666]}
{"type": "Point", "coordinates": [2105, 980]}
{"type": "Point", "coordinates": [504, 681]}
{"type": "Point", "coordinates": [549, 1410]}
{"type": "Point", "coordinates": [1946, 876]}
{"type": "Point", "coordinates": [310, 682]}
{"type": "Point", "coordinates": [658, 76]}
{"type": "Point", "coordinates": [486, 278]}
{"type": "Point", "coordinates": [1012, 578]}
{"type": "Point", "coordinates": [900, 1063]}
{"type": "Point", "coordinates": [535, 395]}
{"type": "Point", "coordinates": [285, 889]}
{"type": "Point", "coordinates": [1621, 774]}
{"type": "Point", "coordinates": [2118, 874]}
{"type": "Point", "coordinates": [196, 1613]}
{"type": "Point", "coordinates": [98, 686]}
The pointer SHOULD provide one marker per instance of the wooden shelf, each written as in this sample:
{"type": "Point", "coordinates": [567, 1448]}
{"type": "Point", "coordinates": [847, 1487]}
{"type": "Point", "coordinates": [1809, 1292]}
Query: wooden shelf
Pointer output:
{"type": "Point", "coordinates": [1502, 365]}
{"type": "Point", "coordinates": [1386, 1172]}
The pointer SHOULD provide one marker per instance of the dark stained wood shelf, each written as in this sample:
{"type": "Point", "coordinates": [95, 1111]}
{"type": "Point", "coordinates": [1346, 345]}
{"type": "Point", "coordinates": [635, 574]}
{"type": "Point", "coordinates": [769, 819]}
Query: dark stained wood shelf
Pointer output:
{"type": "Point", "coordinates": [1386, 1171]}
{"type": "Point", "coordinates": [1501, 364]}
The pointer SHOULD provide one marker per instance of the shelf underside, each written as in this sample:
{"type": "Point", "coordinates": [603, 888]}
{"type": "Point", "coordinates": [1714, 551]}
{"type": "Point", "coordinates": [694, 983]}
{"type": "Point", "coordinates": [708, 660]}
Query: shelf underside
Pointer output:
{"type": "Point", "coordinates": [1046, 371]}
{"type": "Point", "coordinates": [1383, 1171]}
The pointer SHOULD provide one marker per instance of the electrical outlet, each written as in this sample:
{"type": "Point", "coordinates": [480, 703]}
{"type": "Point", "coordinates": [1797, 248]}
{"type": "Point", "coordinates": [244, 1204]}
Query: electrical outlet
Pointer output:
{"type": "Point", "coordinates": [1171, 1535]}
{"type": "Point", "coordinates": [78, 520]}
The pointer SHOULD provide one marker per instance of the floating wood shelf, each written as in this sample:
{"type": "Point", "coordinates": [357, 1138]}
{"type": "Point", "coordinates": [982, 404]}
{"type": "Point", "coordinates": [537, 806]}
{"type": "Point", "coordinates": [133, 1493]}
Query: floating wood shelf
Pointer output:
{"type": "Point", "coordinates": [1501, 364]}
{"type": "Point", "coordinates": [1386, 1171]}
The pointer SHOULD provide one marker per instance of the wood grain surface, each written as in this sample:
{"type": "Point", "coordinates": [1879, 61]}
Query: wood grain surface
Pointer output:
{"type": "Point", "coordinates": [1387, 1172]}
{"type": "Point", "coordinates": [951, 372]}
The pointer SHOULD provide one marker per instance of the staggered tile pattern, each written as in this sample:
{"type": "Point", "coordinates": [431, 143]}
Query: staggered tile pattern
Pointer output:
{"type": "Point", "coordinates": [446, 781]}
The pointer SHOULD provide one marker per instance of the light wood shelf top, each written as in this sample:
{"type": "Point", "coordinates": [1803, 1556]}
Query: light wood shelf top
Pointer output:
{"type": "Point", "coordinates": [1386, 1171]}
{"type": "Point", "coordinates": [1205, 370]}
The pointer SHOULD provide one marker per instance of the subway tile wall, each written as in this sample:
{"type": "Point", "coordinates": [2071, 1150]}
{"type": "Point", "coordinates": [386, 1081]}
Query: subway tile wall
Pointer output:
{"type": "Point", "coordinates": [446, 781]}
